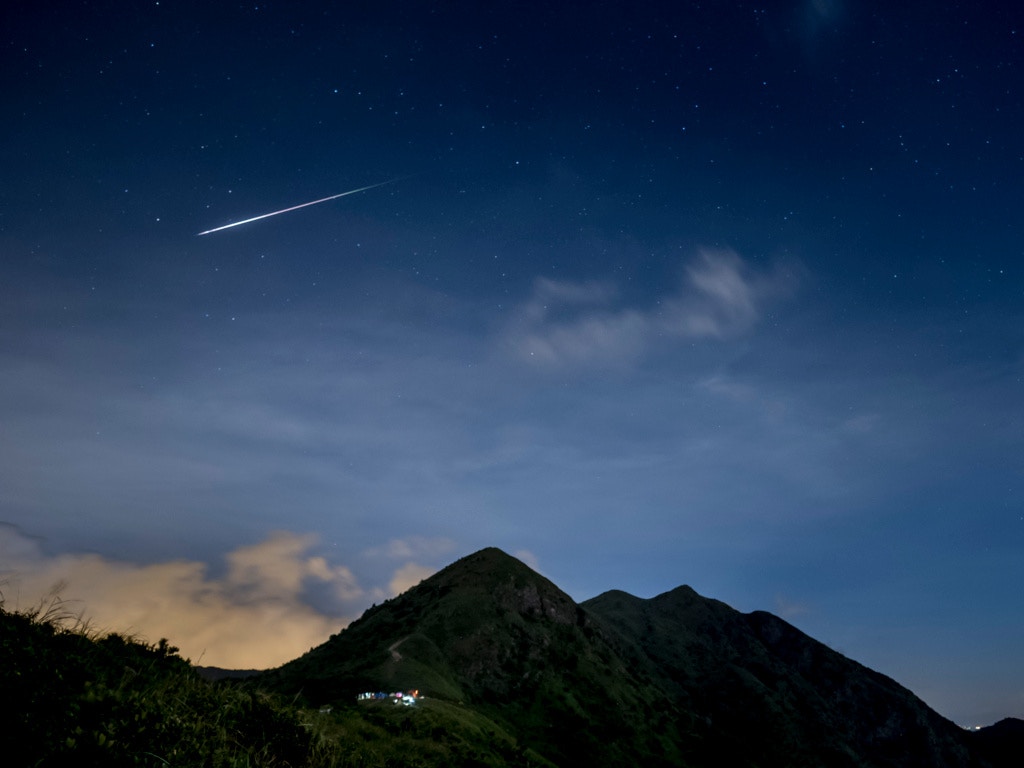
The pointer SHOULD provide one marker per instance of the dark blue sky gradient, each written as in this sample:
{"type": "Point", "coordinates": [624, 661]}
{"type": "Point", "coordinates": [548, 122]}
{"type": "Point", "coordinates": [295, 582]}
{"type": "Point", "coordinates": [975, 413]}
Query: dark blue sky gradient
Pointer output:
{"type": "Point", "coordinates": [660, 294]}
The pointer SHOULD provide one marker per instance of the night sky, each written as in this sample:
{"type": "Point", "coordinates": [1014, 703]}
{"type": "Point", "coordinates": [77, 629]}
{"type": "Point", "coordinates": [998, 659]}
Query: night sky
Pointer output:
{"type": "Point", "coordinates": [716, 294]}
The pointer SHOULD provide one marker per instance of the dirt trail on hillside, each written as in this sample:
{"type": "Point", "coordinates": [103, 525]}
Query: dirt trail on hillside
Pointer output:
{"type": "Point", "coordinates": [395, 655]}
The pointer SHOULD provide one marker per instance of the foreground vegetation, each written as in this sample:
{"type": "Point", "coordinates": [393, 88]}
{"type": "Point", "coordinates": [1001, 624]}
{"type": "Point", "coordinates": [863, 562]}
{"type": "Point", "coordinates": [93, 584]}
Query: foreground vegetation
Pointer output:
{"type": "Point", "coordinates": [515, 674]}
{"type": "Point", "coordinates": [70, 696]}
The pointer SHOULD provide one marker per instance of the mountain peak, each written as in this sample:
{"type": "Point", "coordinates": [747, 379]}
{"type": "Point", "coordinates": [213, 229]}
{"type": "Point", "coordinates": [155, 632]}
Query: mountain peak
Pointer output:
{"type": "Point", "coordinates": [677, 678]}
{"type": "Point", "coordinates": [492, 575]}
{"type": "Point", "coordinates": [489, 562]}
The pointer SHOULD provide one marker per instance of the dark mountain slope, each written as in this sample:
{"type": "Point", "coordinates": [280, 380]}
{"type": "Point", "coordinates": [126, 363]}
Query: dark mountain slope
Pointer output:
{"type": "Point", "coordinates": [1002, 743]}
{"type": "Point", "coordinates": [620, 681]}
{"type": "Point", "coordinates": [774, 696]}
{"type": "Point", "coordinates": [489, 632]}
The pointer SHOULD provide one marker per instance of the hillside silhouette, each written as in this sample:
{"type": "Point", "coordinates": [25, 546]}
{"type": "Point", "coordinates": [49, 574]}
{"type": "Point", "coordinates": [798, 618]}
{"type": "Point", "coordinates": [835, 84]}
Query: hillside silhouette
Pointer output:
{"type": "Point", "coordinates": [678, 679]}
{"type": "Point", "coordinates": [507, 670]}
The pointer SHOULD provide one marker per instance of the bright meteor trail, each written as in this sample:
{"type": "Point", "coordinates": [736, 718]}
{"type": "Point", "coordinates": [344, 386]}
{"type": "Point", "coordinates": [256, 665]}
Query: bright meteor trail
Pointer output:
{"type": "Point", "coordinates": [293, 208]}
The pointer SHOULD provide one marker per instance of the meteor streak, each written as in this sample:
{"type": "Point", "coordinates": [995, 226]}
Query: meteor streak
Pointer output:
{"type": "Point", "coordinates": [293, 208]}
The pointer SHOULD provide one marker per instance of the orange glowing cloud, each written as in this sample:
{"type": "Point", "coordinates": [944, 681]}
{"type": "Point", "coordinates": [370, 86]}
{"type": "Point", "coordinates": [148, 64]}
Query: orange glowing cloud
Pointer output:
{"type": "Point", "coordinates": [255, 615]}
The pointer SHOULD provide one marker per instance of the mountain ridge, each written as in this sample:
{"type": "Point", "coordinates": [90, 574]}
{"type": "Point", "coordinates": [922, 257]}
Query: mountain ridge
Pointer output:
{"type": "Point", "coordinates": [617, 679]}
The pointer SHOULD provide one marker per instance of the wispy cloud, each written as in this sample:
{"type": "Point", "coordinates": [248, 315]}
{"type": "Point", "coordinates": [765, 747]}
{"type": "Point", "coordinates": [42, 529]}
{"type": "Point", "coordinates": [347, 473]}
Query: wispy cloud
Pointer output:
{"type": "Point", "coordinates": [410, 551]}
{"type": "Point", "coordinates": [720, 296]}
{"type": "Point", "coordinates": [412, 547]}
{"type": "Point", "coordinates": [789, 609]}
{"type": "Point", "coordinates": [527, 557]}
{"type": "Point", "coordinates": [408, 576]}
{"type": "Point", "coordinates": [256, 614]}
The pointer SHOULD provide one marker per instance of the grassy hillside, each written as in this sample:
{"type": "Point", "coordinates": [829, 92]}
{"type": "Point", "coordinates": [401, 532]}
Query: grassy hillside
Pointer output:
{"type": "Point", "coordinates": [772, 696]}
{"type": "Point", "coordinates": [491, 634]}
{"type": "Point", "coordinates": [514, 674]}
{"type": "Point", "coordinates": [618, 681]}
{"type": "Point", "coordinates": [70, 697]}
